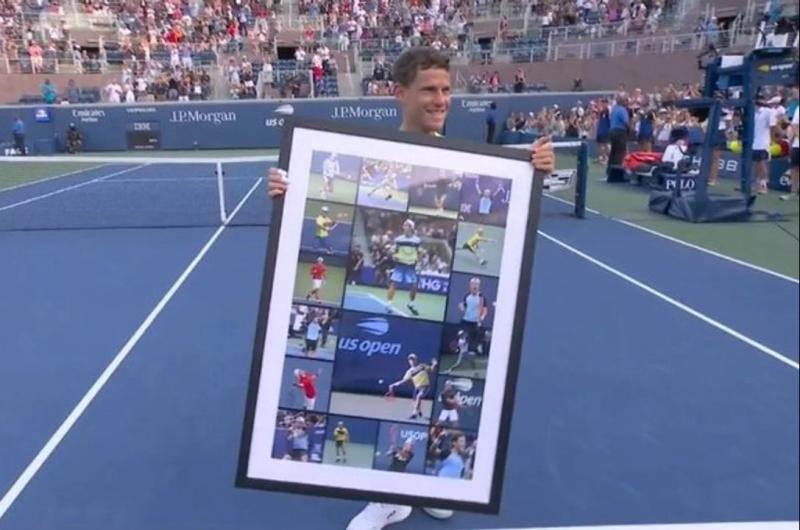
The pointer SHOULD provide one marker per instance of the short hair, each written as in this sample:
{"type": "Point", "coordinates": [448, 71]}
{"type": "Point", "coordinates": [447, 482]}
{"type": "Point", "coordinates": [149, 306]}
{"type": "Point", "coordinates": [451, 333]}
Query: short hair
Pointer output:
{"type": "Point", "coordinates": [415, 59]}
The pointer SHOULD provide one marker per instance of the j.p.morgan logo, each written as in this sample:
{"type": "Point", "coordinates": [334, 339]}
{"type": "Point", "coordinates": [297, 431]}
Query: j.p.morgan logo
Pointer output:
{"type": "Point", "coordinates": [350, 112]}
{"type": "Point", "coordinates": [198, 116]}
{"type": "Point", "coordinates": [377, 327]}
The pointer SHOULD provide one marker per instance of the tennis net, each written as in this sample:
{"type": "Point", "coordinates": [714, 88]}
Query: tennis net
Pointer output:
{"type": "Point", "coordinates": [87, 192]}
{"type": "Point", "coordinates": [568, 183]}
{"type": "Point", "coordinates": [93, 192]}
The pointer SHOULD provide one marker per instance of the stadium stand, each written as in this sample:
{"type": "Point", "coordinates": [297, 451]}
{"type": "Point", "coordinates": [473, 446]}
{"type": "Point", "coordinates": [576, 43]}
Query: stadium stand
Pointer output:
{"type": "Point", "coordinates": [171, 50]}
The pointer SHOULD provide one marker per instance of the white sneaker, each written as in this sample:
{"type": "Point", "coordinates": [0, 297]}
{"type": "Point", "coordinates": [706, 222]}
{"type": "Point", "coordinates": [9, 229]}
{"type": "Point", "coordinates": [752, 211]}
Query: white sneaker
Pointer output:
{"type": "Point", "coordinates": [377, 516]}
{"type": "Point", "coordinates": [438, 513]}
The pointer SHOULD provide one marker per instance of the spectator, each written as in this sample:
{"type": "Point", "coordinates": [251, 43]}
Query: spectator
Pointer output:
{"type": "Point", "coordinates": [618, 136]}
{"type": "Point", "coordinates": [603, 131]}
{"type": "Point", "coordinates": [645, 129]}
{"type": "Point", "coordinates": [73, 92]}
{"type": "Point", "coordinates": [113, 92]}
{"type": "Point", "coordinates": [519, 81]}
{"type": "Point", "coordinates": [49, 93]}
{"type": "Point", "coordinates": [35, 53]}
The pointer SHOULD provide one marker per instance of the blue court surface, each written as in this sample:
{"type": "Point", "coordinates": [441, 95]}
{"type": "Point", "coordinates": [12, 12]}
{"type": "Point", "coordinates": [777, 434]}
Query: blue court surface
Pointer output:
{"type": "Point", "coordinates": [368, 303]}
{"type": "Point", "coordinates": [659, 383]}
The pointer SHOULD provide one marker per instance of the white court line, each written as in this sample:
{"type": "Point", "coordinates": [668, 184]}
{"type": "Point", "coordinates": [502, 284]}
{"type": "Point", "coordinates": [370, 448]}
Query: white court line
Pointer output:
{"type": "Point", "coordinates": [51, 445]}
{"type": "Point", "coordinates": [570, 203]}
{"type": "Point", "coordinates": [772, 525]}
{"type": "Point", "coordinates": [683, 307]}
{"type": "Point", "coordinates": [47, 179]}
{"type": "Point", "coordinates": [68, 188]}
{"type": "Point", "coordinates": [178, 179]}
{"type": "Point", "coordinates": [386, 305]}
{"type": "Point", "coordinates": [709, 251]}
{"type": "Point", "coordinates": [684, 243]}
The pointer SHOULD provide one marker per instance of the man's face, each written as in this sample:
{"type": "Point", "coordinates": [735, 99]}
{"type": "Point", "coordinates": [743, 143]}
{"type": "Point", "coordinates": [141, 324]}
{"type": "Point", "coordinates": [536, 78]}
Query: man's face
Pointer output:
{"type": "Point", "coordinates": [474, 285]}
{"type": "Point", "coordinates": [426, 101]}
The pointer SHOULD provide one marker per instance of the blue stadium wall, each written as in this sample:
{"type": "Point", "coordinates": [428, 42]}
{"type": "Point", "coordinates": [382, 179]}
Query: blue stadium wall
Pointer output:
{"type": "Point", "coordinates": [243, 124]}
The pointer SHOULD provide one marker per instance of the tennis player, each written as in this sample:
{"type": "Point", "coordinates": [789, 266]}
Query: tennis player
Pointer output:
{"type": "Point", "coordinates": [463, 347]}
{"type": "Point", "coordinates": [485, 200]}
{"type": "Point", "coordinates": [324, 225]}
{"type": "Point", "coordinates": [422, 77]}
{"type": "Point", "coordinates": [341, 436]}
{"type": "Point", "coordinates": [387, 183]}
{"type": "Point", "coordinates": [317, 271]}
{"type": "Point", "coordinates": [401, 456]}
{"type": "Point", "coordinates": [313, 331]}
{"type": "Point", "coordinates": [450, 406]}
{"type": "Point", "coordinates": [419, 374]}
{"type": "Point", "coordinates": [473, 245]}
{"type": "Point", "coordinates": [308, 383]}
{"type": "Point", "coordinates": [442, 185]}
{"type": "Point", "coordinates": [474, 306]}
{"type": "Point", "coordinates": [330, 170]}
{"type": "Point", "coordinates": [406, 254]}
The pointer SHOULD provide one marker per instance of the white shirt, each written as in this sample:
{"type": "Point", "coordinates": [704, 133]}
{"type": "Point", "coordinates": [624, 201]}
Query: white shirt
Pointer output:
{"type": "Point", "coordinates": [796, 127]}
{"type": "Point", "coordinates": [673, 154]}
{"type": "Point", "coordinates": [765, 118]}
{"type": "Point", "coordinates": [330, 167]}
{"type": "Point", "coordinates": [114, 92]}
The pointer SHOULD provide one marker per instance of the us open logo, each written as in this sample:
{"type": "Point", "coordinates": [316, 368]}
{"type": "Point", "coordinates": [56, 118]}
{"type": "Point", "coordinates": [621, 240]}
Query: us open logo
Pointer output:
{"type": "Point", "coordinates": [377, 327]}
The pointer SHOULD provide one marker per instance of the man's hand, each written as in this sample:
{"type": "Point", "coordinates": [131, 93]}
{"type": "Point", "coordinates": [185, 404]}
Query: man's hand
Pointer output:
{"type": "Point", "coordinates": [277, 182]}
{"type": "Point", "coordinates": [543, 156]}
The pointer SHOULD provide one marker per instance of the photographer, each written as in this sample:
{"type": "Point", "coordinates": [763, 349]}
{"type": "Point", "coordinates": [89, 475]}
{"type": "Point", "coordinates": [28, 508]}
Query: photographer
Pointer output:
{"type": "Point", "coordinates": [74, 139]}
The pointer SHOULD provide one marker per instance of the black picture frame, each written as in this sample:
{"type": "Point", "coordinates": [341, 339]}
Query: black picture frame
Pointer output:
{"type": "Point", "coordinates": [492, 504]}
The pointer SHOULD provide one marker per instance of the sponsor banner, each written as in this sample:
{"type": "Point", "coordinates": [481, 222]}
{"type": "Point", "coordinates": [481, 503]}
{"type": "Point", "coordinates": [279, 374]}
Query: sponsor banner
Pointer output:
{"type": "Point", "coordinates": [258, 124]}
{"type": "Point", "coordinates": [427, 282]}
{"type": "Point", "coordinates": [776, 71]}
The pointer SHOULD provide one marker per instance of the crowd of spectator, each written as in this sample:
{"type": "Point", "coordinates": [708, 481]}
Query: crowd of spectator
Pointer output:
{"type": "Point", "coordinates": [152, 34]}
{"type": "Point", "coordinates": [156, 81]}
{"type": "Point", "coordinates": [652, 110]}
{"type": "Point", "coordinates": [653, 118]}
{"type": "Point", "coordinates": [219, 26]}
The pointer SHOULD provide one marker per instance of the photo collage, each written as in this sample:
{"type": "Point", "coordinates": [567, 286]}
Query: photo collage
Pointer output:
{"type": "Point", "coordinates": [392, 316]}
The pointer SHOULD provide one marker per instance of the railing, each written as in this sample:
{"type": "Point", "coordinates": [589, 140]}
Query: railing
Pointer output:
{"type": "Point", "coordinates": [661, 44]}
{"type": "Point", "coordinates": [75, 20]}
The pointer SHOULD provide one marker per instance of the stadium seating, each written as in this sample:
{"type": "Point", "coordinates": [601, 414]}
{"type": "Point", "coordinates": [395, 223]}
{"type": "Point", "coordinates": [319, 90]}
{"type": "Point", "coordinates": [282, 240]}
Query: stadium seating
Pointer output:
{"type": "Point", "coordinates": [109, 35]}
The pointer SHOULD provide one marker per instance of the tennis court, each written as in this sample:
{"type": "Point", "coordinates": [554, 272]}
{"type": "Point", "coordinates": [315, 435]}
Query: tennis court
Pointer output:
{"type": "Point", "coordinates": [659, 383]}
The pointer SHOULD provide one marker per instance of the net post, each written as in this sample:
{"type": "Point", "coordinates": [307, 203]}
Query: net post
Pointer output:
{"type": "Point", "coordinates": [221, 192]}
{"type": "Point", "coordinates": [582, 178]}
